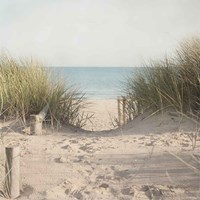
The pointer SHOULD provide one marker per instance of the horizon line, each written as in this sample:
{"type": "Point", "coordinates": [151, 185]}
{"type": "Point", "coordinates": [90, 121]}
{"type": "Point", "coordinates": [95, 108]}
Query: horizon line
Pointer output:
{"type": "Point", "coordinates": [89, 66]}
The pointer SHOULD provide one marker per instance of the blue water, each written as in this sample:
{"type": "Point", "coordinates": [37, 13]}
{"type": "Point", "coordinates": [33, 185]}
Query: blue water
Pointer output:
{"type": "Point", "coordinates": [96, 82]}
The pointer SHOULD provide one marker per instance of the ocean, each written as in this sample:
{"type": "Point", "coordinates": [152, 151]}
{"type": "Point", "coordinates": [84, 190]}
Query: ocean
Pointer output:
{"type": "Point", "coordinates": [96, 82]}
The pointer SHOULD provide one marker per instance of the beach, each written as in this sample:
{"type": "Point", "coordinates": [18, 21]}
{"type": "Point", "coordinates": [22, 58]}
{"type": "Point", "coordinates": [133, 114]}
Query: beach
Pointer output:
{"type": "Point", "coordinates": [104, 114]}
{"type": "Point", "coordinates": [100, 100]}
{"type": "Point", "coordinates": [149, 158]}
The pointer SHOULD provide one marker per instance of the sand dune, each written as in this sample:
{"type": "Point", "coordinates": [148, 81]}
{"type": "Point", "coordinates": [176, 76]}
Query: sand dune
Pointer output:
{"type": "Point", "coordinates": [145, 159]}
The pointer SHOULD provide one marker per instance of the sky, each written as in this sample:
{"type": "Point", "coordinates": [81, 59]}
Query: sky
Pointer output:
{"type": "Point", "coordinates": [96, 32]}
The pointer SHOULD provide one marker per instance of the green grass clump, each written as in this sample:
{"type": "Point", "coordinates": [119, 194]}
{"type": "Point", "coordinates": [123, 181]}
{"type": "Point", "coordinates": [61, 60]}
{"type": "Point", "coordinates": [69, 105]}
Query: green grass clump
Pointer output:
{"type": "Point", "coordinates": [26, 87]}
{"type": "Point", "coordinates": [173, 82]}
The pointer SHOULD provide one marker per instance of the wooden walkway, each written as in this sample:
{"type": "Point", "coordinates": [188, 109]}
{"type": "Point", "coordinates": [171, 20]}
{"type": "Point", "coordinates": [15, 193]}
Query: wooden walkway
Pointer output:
{"type": "Point", "coordinates": [160, 169]}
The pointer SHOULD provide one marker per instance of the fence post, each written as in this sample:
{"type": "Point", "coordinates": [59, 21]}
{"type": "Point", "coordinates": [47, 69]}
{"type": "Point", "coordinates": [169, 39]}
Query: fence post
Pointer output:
{"type": "Point", "coordinates": [12, 181]}
{"type": "Point", "coordinates": [119, 111]}
{"type": "Point", "coordinates": [128, 102]}
{"type": "Point", "coordinates": [35, 125]}
{"type": "Point", "coordinates": [36, 121]}
{"type": "Point", "coordinates": [124, 109]}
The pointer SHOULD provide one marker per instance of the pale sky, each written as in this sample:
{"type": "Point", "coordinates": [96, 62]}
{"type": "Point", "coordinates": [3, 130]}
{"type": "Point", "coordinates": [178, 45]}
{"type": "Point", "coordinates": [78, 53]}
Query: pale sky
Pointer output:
{"type": "Point", "coordinates": [96, 32]}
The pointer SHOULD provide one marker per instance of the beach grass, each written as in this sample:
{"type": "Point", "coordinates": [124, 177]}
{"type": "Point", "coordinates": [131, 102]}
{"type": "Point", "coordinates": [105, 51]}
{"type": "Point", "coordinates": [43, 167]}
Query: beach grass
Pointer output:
{"type": "Point", "coordinates": [26, 86]}
{"type": "Point", "coordinates": [170, 83]}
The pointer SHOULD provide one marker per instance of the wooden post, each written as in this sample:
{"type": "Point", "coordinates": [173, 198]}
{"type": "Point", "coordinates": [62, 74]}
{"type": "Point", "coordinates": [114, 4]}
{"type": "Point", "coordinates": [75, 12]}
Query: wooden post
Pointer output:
{"type": "Point", "coordinates": [124, 109]}
{"type": "Point", "coordinates": [129, 109]}
{"type": "Point", "coordinates": [36, 121]}
{"type": "Point", "coordinates": [43, 112]}
{"type": "Point", "coordinates": [119, 111]}
{"type": "Point", "coordinates": [12, 181]}
{"type": "Point", "coordinates": [35, 125]}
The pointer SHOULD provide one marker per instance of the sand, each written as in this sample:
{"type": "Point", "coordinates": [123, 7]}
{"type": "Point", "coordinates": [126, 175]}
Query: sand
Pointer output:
{"type": "Point", "coordinates": [149, 158]}
{"type": "Point", "coordinates": [104, 115]}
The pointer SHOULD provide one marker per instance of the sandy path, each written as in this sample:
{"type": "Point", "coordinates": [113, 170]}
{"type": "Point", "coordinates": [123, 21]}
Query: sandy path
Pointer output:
{"type": "Point", "coordinates": [146, 159]}
{"type": "Point", "coordinates": [69, 165]}
{"type": "Point", "coordinates": [104, 114]}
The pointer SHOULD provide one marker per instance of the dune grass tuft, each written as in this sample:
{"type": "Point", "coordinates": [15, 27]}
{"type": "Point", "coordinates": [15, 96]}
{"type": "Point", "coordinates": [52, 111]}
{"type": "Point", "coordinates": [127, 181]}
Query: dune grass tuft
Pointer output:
{"type": "Point", "coordinates": [26, 86]}
{"type": "Point", "coordinates": [173, 82]}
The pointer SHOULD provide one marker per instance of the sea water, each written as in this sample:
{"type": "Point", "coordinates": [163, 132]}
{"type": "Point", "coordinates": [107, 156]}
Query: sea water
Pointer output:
{"type": "Point", "coordinates": [96, 82]}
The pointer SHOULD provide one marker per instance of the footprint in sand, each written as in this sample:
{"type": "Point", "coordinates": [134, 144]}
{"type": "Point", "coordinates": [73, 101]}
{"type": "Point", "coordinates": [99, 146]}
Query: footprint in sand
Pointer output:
{"type": "Point", "coordinates": [104, 185]}
{"type": "Point", "coordinates": [62, 141]}
{"type": "Point", "coordinates": [142, 138]}
{"type": "Point", "coordinates": [73, 141]}
{"type": "Point", "coordinates": [27, 190]}
{"type": "Point", "coordinates": [128, 191]}
{"type": "Point", "coordinates": [60, 160]}
{"type": "Point", "coordinates": [123, 174]}
{"type": "Point", "coordinates": [87, 149]}
{"type": "Point", "coordinates": [67, 147]}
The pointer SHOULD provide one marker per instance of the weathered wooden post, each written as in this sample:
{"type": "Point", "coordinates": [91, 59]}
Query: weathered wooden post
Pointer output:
{"type": "Point", "coordinates": [119, 110]}
{"type": "Point", "coordinates": [36, 121]}
{"type": "Point", "coordinates": [128, 102]}
{"type": "Point", "coordinates": [124, 109]}
{"type": "Point", "coordinates": [12, 179]}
